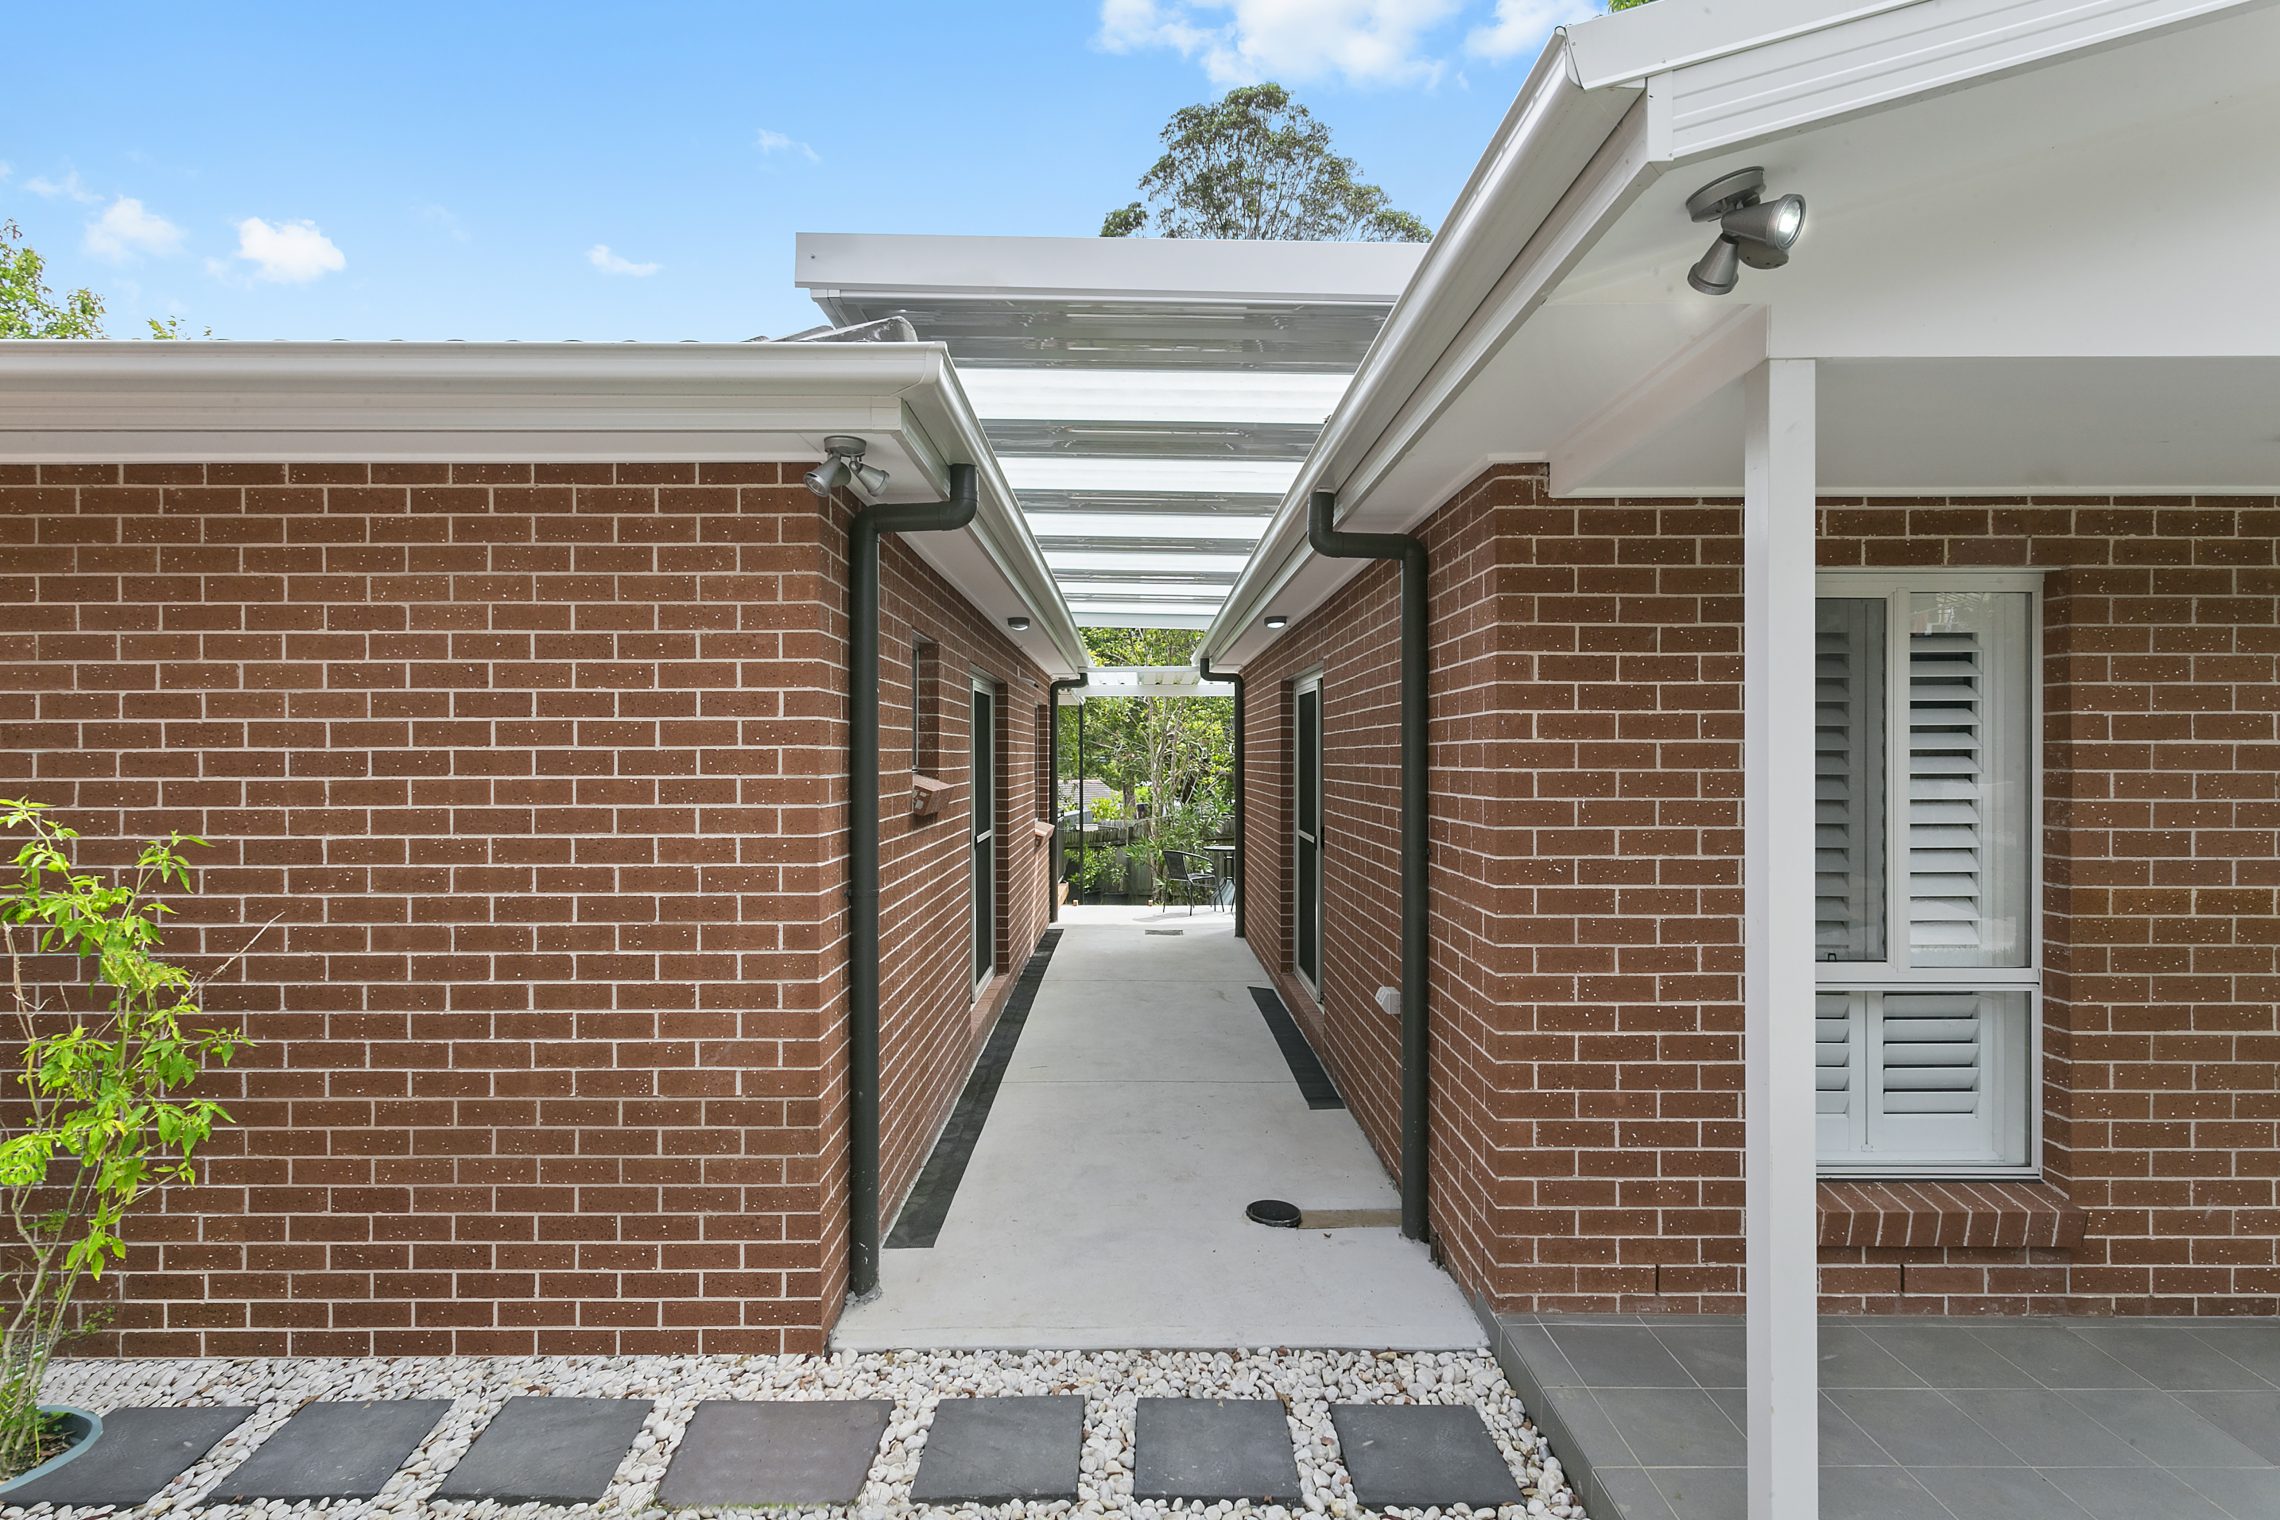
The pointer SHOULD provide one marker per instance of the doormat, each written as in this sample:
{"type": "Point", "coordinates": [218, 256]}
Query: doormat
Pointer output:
{"type": "Point", "coordinates": [1314, 1083]}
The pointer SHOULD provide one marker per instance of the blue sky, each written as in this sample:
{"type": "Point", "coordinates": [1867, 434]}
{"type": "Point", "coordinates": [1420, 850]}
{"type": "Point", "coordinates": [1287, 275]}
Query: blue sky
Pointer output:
{"type": "Point", "coordinates": [486, 170]}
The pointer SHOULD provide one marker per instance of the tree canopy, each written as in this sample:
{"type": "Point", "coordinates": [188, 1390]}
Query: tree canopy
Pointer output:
{"type": "Point", "coordinates": [1180, 749]}
{"type": "Point", "coordinates": [1256, 164]}
{"type": "Point", "coordinates": [29, 309]}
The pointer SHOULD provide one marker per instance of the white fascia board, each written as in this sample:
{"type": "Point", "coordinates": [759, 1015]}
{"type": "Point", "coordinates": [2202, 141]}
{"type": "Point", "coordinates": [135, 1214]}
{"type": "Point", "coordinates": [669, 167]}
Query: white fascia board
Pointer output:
{"type": "Point", "coordinates": [880, 266]}
{"type": "Point", "coordinates": [1152, 681]}
{"type": "Point", "coordinates": [1067, 562]}
{"type": "Point", "coordinates": [1169, 476]}
{"type": "Point", "coordinates": [1212, 528]}
{"type": "Point", "coordinates": [135, 402]}
{"type": "Point", "coordinates": [1166, 395]}
{"type": "Point", "coordinates": [1626, 47]}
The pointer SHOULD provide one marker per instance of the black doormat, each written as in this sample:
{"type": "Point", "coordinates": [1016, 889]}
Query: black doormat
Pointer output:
{"type": "Point", "coordinates": [929, 1203]}
{"type": "Point", "coordinates": [1314, 1083]}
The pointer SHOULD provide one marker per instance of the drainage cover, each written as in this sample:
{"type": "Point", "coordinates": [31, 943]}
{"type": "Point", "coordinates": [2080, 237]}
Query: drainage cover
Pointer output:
{"type": "Point", "coordinates": [1273, 1212]}
{"type": "Point", "coordinates": [1163, 931]}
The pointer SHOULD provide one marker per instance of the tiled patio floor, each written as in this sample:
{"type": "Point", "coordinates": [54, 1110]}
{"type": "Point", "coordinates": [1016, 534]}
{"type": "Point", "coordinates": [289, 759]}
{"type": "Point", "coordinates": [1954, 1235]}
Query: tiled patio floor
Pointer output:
{"type": "Point", "coordinates": [1921, 1419]}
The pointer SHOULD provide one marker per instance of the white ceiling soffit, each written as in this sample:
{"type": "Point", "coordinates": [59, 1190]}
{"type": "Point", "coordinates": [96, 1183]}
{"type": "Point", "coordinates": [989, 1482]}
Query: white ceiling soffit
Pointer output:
{"type": "Point", "coordinates": [109, 402]}
{"type": "Point", "coordinates": [1149, 400]}
{"type": "Point", "coordinates": [1494, 357]}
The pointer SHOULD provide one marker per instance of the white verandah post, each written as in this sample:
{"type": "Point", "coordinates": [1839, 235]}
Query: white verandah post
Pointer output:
{"type": "Point", "coordinates": [1778, 475]}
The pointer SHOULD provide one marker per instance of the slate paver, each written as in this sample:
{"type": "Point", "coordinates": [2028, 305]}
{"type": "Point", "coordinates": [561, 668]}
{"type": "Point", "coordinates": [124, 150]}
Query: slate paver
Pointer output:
{"type": "Point", "coordinates": [546, 1450]}
{"type": "Point", "coordinates": [1421, 1456]}
{"type": "Point", "coordinates": [738, 1453]}
{"type": "Point", "coordinates": [998, 1450]}
{"type": "Point", "coordinates": [139, 1452]}
{"type": "Point", "coordinates": [1213, 1449]}
{"type": "Point", "coordinates": [328, 1450]}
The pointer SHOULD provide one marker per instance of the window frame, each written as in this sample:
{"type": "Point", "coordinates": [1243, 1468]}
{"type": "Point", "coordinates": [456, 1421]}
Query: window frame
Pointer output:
{"type": "Point", "coordinates": [987, 855]}
{"type": "Point", "coordinates": [1310, 681]}
{"type": "Point", "coordinates": [1893, 973]}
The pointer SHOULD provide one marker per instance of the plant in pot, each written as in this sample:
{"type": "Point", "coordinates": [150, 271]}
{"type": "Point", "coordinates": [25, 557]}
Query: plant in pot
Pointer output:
{"type": "Point", "coordinates": [102, 1121]}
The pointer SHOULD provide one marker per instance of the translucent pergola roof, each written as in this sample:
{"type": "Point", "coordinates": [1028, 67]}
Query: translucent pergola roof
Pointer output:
{"type": "Point", "coordinates": [1149, 400]}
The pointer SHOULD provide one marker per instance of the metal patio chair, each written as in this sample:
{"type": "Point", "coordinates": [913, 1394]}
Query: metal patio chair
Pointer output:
{"type": "Point", "coordinates": [1192, 875]}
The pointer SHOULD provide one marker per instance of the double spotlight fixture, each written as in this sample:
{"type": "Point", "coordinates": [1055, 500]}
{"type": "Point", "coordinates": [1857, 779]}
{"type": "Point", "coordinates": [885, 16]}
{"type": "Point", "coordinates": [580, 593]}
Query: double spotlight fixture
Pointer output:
{"type": "Point", "coordinates": [1751, 229]}
{"type": "Point", "coordinates": [845, 467]}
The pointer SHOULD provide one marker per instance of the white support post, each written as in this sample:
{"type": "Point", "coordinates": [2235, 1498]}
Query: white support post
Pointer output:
{"type": "Point", "coordinates": [1778, 474]}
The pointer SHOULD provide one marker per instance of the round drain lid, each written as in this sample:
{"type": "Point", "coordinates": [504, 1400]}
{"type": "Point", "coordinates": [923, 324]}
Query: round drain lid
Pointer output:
{"type": "Point", "coordinates": [1273, 1212]}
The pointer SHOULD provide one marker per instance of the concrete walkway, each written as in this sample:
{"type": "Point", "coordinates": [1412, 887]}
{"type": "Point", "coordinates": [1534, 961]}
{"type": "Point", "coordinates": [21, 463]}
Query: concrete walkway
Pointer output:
{"type": "Point", "coordinates": [1144, 1106]}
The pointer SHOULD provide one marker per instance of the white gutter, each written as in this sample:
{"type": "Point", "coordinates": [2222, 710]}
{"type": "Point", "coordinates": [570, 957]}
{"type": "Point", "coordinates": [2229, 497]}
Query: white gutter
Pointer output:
{"type": "Point", "coordinates": [1546, 140]}
{"type": "Point", "coordinates": [78, 401]}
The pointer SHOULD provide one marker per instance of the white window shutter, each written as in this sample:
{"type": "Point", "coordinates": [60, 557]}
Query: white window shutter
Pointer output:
{"type": "Point", "coordinates": [1946, 1066]}
{"type": "Point", "coordinates": [1848, 780]}
{"type": "Point", "coordinates": [1946, 835]}
{"type": "Point", "coordinates": [1836, 1062]}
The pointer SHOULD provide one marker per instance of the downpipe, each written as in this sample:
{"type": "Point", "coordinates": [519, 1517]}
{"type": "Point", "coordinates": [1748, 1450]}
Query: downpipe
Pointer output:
{"type": "Point", "coordinates": [1234, 679]}
{"type": "Point", "coordinates": [1328, 540]}
{"type": "Point", "coordinates": [863, 535]}
{"type": "Point", "coordinates": [1053, 790]}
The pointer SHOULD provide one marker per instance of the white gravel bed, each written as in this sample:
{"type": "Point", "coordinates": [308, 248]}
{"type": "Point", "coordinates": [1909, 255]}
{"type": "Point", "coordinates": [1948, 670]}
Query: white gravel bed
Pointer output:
{"type": "Point", "coordinates": [1307, 1382]}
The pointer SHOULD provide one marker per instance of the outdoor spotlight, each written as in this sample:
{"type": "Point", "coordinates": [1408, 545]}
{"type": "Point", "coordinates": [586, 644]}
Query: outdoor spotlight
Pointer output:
{"type": "Point", "coordinates": [869, 477]}
{"type": "Point", "coordinates": [1277, 620]}
{"type": "Point", "coordinates": [1751, 229]}
{"type": "Point", "coordinates": [1018, 623]}
{"type": "Point", "coordinates": [845, 464]}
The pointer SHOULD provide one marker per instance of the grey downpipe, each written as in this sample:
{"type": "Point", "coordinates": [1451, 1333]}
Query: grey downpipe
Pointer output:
{"type": "Point", "coordinates": [1242, 869]}
{"type": "Point", "coordinates": [1053, 791]}
{"type": "Point", "coordinates": [863, 849]}
{"type": "Point", "coordinates": [1326, 539]}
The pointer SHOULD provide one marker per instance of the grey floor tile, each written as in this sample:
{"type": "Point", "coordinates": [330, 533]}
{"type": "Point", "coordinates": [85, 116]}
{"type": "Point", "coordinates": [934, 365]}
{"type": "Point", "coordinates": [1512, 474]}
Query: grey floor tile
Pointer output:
{"type": "Point", "coordinates": [1851, 1359]}
{"type": "Point", "coordinates": [1949, 1356]}
{"type": "Point", "coordinates": [2255, 1346]}
{"type": "Point", "coordinates": [1843, 1444]}
{"type": "Point", "coordinates": [1214, 1449]}
{"type": "Point", "coordinates": [1715, 1356]}
{"type": "Point", "coordinates": [546, 1450]}
{"type": "Point", "coordinates": [781, 1451]}
{"type": "Point", "coordinates": [2163, 1428]}
{"type": "Point", "coordinates": [1573, 1422]}
{"type": "Point", "coordinates": [1422, 1456]}
{"type": "Point", "coordinates": [1704, 1493]}
{"type": "Point", "coordinates": [2132, 1493]}
{"type": "Point", "coordinates": [2245, 1493]}
{"type": "Point", "coordinates": [1998, 1493]}
{"type": "Point", "coordinates": [139, 1452]}
{"type": "Point", "coordinates": [1624, 1493]}
{"type": "Point", "coordinates": [2253, 1419]}
{"type": "Point", "coordinates": [1876, 1493]}
{"type": "Point", "coordinates": [2041, 1429]}
{"type": "Point", "coordinates": [345, 1450]}
{"type": "Point", "coordinates": [1619, 1356]}
{"type": "Point", "coordinates": [2055, 1356]}
{"type": "Point", "coordinates": [1674, 1427]}
{"type": "Point", "coordinates": [1917, 1426]}
{"type": "Point", "coordinates": [2168, 1355]}
{"type": "Point", "coordinates": [998, 1450]}
{"type": "Point", "coordinates": [1532, 1344]}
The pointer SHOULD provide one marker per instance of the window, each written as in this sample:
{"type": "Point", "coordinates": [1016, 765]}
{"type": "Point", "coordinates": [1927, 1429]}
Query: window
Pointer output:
{"type": "Point", "coordinates": [985, 802]}
{"type": "Point", "coordinates": [926, 707]}
{"type": "Point", "coordinates": [1306, 833]}
{"type": "Point", "coordinates": [1924, 873]}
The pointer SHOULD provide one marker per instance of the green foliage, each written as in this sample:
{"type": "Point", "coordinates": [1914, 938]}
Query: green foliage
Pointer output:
{"type": "Point", "coordinates": [105, 1057]}
{"type": "Point", "coordinates": [1100, 871]}
{"type": "Point", "coordinates": [1256, 164]}
{"type": "Point", "coordinates": [1627, 5]}
{"type": "Point", "coordinates": [28, 309]}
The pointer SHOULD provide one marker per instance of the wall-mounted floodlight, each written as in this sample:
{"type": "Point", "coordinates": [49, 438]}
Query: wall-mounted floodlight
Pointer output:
{"type": "Point", "coordinates": [1751, 229]}
{"type": "Point", "coordinates": [1019, 623]}
{"type": "Point", "coordinates": [845, 467]}
{"type": "Point", "coordinates": [1277, 620]}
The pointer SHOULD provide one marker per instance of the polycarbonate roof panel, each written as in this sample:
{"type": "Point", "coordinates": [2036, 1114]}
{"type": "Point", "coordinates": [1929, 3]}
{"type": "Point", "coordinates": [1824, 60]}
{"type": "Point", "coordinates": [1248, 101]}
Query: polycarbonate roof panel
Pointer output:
{"type": "Point", "coordinates": [1149, 401]}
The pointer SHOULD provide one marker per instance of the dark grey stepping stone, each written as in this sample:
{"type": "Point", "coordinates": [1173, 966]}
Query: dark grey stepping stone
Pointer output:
{"type": "Point", "coordinates": [333, 1451]}
{"type": "Point", "coordinates": [783, 1452]}
{"type": "Point", "coordinates": [139, 1452]}
{"type": "Point", "coordinates": [1213, 1449]}
{"type": "Point", "coordinates": [540, 1450]}
{"type": "Point", "coordinates": [1422, 1455]}
{"type": "Point", "coordinates": [995, 1451]}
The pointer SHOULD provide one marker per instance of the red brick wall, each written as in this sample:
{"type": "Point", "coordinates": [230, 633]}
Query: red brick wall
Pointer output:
{"type": "Point", "coordinates": [541, 771]}
{"type": "Point", "coordinates": [1586, 737]}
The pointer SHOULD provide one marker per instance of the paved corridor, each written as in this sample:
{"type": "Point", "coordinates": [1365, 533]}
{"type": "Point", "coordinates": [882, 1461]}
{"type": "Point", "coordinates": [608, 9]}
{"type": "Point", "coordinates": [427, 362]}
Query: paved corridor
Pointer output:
{"type": "Point", "coordinates": [1143, 1106]}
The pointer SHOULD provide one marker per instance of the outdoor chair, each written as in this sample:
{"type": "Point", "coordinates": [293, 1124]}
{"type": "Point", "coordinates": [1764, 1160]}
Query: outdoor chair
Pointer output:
{"type": "Point", "coordinates": [1191, 874]}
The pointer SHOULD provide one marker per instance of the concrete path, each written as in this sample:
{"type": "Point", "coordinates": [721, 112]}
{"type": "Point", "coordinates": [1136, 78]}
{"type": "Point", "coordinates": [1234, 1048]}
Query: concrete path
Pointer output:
{"type": "Point", "coordinates": [1145, 1105]}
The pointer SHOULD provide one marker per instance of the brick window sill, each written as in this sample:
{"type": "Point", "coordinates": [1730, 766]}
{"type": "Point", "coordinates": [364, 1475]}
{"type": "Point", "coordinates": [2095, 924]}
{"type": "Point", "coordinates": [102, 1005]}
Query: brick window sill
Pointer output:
{"type": "Point", "coordinates": [1995, 1215]}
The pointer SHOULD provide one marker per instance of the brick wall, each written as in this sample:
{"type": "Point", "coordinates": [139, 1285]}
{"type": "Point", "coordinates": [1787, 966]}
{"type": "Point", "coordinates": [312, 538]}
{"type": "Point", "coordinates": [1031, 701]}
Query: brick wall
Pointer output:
{"type": "Point", "coordinates": [541, 773]}
{"type": "Point", "coordinates": [1586, 745]}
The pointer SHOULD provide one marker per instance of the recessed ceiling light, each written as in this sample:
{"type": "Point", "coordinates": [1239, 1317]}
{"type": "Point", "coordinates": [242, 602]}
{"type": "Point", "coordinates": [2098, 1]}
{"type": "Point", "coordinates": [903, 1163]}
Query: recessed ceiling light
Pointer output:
{"type": "Point", "coordinates": [1019, 623]}
{"type": "Point", "coordinates": [1277, 620]}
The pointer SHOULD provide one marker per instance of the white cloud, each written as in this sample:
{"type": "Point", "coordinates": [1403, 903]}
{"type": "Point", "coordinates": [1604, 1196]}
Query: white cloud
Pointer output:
{"type": "Point", "coordinates": [609, 263]}
{"type": "Point", "coordinates": [70, 187]}
{"type": "Point", "coordinates": [1521, 27]}
{"type": "Point", "coordinates": [287, 253]}
{"type": "Point", "coordinates": [126, 229]}
{"type": "Point", "coordinates": [1367, 42]}
{"type": "Point", "coordinates": [779, 142]}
